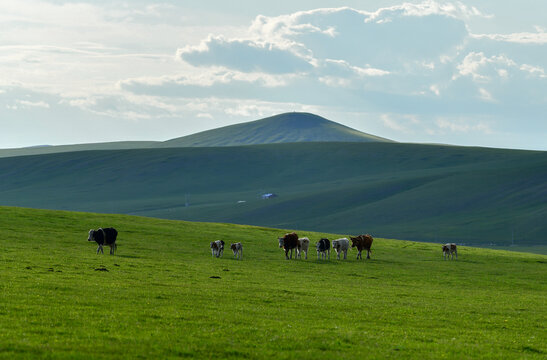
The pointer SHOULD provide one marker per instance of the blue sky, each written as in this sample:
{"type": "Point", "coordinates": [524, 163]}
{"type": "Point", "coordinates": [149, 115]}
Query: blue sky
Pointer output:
{"type": "Point", "coordinates": [456, 72]}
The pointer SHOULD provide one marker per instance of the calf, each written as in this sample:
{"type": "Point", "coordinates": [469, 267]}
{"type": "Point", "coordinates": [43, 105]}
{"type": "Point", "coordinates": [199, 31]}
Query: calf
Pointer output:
{"type": "Point", "coordinates": [323, 247]}
{"type": "Point", "coordinates": [362, 242]}
{"type": "Point", "coordinates": [341, 245]}
{"type": "Point", "coordinates": [289, 242]}
{"type": "Point", "coordinates": [237, 248]}
{"type": "Point", "coordinates": [217, 248]}
{"type": "Point", "coordinates": [450, 249]}
{"type": "Point", "coordinates": [304, 244]}
{"type": "Point", "coordinates": [106, 236]}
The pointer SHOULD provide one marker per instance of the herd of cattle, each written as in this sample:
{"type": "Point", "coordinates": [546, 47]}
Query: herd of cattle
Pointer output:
{"type": "Point", "coordinates": [288, 243]}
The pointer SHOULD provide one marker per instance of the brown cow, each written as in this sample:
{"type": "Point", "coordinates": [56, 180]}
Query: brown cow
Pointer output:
{"type": "Point", "coordinates": [289, 242]}
{"type": "Point", "coordinates": [363, 242]}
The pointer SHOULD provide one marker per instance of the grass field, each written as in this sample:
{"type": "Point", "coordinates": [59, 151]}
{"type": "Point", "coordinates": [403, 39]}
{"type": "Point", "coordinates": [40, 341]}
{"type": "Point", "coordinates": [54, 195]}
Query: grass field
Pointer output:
{"type": "Point", "coordinates": [156, 298]}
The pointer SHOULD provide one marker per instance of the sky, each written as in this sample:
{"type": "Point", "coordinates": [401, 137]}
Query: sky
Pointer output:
{"type": "Point", "coordinates": [471, 73]}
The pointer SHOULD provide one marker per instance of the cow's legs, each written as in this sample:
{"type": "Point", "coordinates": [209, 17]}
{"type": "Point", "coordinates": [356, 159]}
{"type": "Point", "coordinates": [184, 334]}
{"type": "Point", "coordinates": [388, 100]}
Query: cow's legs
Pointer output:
{"type": "Point", "coordinates": [306, 252]}
{"type": "Point", "coordinates": [368, 254]}
{"type": "Point", "coordinates": [345, 254]}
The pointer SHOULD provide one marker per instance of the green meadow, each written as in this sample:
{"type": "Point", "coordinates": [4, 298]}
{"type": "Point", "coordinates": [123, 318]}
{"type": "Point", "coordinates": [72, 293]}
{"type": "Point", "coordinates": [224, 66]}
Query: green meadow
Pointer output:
{"type": "Point", "coordinates": [163, 295]}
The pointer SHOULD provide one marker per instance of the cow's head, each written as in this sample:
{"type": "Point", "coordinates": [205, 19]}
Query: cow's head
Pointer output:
{"type": "Point", "coordinates": [213, 245]}
{"type": "Point", "coordinates": [281, 241]}
{"type": "Point", "coordinates": [335, 244]}
{"type": "Point", "coordinates": [91, 236]}
{"type": "Point", "coordinates": [354, 241]}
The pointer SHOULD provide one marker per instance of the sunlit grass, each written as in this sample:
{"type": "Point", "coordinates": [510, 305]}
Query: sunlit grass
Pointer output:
{"type": "Point", "coordinates": [158, 300]}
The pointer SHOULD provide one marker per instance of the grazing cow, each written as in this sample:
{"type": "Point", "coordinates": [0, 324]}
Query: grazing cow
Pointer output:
{"type": "Point", "coordinates": [341, 245]}
{"type": "Point", "coordinates": [362, 242]}
{"type": "Point", "coordinates": [237, 248]}
{"type": "Point", "coordinates": [323, 248]}
{"type": "Point", "coordinates": [289, 242]}
{"type": "Point", "coordinates": [217, 248]}
{"type": "Point", "coordinates": [106, 236]}
{"type": "Point", "coordinates": [304, 244]}
{"type": "Point", "coordinates": [450, 249]}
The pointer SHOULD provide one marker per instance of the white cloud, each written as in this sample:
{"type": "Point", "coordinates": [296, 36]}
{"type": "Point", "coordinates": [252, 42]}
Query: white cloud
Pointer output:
{"type": "Point", "coordinates": [533, 70]}
{"type": "Point", "coordinates": [482, 68]}
{"type": "Point", "coordinates": [462, 126]}
{"type": "Point", "coordinates": [485, 95]}
{"type": "Point", "coordinates": [425, 8]}
{"type": "Point", "coordinates": [244, 55]}
{"type": "Point", "coordinates": [538, 38]}
{"type": "Point", "coordinates": [40, 104]}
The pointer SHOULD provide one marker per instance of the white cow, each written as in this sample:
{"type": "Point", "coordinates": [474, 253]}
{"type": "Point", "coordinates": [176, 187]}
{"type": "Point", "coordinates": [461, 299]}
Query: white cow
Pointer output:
{"type": "Point", "coordinates": [450, 249]}
{"type": "Point", "coordinates": [303, 245]}
{"type": "Point", "coordinates": [237, 248]}
{"type": "Point", "coordinates": [341, 245]}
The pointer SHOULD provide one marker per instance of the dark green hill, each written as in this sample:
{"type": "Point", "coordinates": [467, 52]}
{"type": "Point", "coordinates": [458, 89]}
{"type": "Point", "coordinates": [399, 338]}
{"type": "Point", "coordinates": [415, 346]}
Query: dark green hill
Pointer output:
{"type": "Point", "coordinates": [283, 128]}
{"type": "Point", "coordinates": [405, 191]}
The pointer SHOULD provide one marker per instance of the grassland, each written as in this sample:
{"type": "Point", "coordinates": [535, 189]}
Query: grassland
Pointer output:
{"type": "Point", "coordinates": [404, 191]}
{"type": "Point", "coordinates": [156, 298]}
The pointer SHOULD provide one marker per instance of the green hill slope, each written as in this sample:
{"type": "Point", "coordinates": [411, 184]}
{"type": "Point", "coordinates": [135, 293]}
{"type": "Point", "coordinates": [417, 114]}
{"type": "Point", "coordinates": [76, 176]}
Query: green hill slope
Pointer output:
{"type": "Point", "coordinates": [425, 192]}
{"type": "Point", "coordinates": [40, 150]}
{"type": "Point", "coordinates": [163, 296]}
{"type": "Point", "coordinates": [283, 128]}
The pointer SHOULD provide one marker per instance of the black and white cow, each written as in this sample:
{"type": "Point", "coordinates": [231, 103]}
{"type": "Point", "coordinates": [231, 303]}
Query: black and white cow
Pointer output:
{"type": "Point", "coordinates": [323, 248]}
{"type": "Point", "coordinates": [237, 249]}
{"type": "Point", "coordinates": [217, 248]}
{"type": "Point", "coordinates": [106, 236]}
{"type": "Point", "coordinates": [449, 250]}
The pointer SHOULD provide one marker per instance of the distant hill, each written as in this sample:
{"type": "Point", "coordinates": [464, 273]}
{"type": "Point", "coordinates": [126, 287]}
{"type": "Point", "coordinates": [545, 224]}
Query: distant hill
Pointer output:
{"type": "Point", "coordinates": [284, 128]}
{"type": "Point", "coordinates": [50, 149]}
{"type": "Point", "coordinates": [392, 190]}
